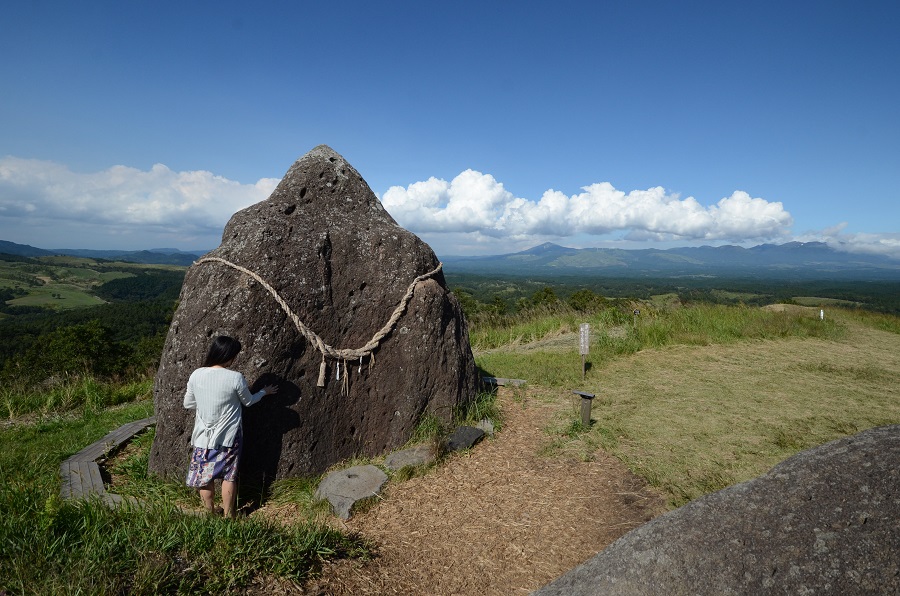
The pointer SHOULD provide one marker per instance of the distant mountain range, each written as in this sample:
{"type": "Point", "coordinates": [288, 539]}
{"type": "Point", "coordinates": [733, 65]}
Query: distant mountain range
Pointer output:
{"type": "Point", "coordinates": [156, 256]}
{"type": "Point", "coordinates": [794, 260]}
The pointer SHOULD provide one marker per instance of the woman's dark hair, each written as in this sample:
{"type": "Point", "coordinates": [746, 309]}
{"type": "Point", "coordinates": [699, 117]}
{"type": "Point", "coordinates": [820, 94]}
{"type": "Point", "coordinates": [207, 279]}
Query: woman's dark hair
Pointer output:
{"type": "Point", "coordinates": [222, 350]}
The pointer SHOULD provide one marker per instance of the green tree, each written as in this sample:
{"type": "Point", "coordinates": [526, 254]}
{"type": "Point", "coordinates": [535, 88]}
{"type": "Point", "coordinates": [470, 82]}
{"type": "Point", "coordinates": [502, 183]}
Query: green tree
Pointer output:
{"type": "Point", "coordinates": [146, 285]}
{"type": "Point", "coordinates": [466, 301]}
{"type": "Point", "coordinates": [78, 349]}
{"type": "Point", "coordinates": [544, 297]}
{"type": "Point", "coordinates": [587, 301]}
{"type": "Point", "coordinates": [498, 305]}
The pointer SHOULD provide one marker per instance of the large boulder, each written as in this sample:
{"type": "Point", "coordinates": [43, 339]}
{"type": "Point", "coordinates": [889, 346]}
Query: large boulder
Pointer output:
{"type": "Point", "coordinates": [826, 521]}
{"type": "Point", "coordinates": [323, 243]}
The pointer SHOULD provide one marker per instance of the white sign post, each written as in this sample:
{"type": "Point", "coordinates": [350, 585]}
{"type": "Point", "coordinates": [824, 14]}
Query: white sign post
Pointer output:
{"type": "Point", "coordinates": [584, 336]}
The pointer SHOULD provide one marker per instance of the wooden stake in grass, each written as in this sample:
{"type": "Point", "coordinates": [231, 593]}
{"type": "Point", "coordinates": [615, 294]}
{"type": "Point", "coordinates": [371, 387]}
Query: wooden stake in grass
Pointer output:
{"type": "Point", "coordinates": [585, 408]}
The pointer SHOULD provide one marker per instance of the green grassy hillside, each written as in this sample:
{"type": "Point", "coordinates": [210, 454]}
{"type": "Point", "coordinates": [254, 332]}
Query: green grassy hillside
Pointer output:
{"type": "Point", "coordinates": [692, 398]}
{"type": "Point", "coordinates": [64, 282]}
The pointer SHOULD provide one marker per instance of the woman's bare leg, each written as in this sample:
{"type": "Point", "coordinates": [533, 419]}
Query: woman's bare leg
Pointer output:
{"type": "Point", "coordinates": [208, 496]}
{"type": "Point", "coordinates": [228, 490]}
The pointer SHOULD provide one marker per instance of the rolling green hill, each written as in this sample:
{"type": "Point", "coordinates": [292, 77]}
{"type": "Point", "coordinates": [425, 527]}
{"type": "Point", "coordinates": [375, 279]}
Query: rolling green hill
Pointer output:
{"type": "Point", "coordinates": [66, 282]}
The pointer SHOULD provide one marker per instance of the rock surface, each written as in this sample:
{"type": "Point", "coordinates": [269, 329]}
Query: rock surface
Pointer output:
{"type": "Point", "coordinates": [419, 455]}
{"type": "Point", "coordinates": [464, 437]}
{"type": "Point", "coordinates": [822, 522]}
{"type": "Point", "coordinates": [324, 242]}
{"type": "Point", "coordinates": [343, 488]}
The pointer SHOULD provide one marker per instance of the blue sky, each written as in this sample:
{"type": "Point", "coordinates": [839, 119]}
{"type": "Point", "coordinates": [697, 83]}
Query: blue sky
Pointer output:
{"type": "Point", "coordinates": [484, 127]}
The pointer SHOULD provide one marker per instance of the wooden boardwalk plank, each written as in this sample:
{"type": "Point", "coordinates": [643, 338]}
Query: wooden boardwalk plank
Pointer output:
{"type": "Point", "coordinates": [65, 472]}
{"type": "Point", "coordinates": [500, 381]}
{"type": "Point", "coordinates": [77, 480]}
{"type": "Point", "coordinates": [90, 453]}
{"type": "Point", "coordinates": [80, 474]}
{"type": "Point", "coordinates": [95, 478]}
{"type": "Point", "coordinates": [114, 439]}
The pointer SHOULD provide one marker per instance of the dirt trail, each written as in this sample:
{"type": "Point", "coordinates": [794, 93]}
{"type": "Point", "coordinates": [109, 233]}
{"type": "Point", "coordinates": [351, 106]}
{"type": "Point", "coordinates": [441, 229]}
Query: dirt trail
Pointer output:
{"type": "Point", "coordinates": [501, 519]}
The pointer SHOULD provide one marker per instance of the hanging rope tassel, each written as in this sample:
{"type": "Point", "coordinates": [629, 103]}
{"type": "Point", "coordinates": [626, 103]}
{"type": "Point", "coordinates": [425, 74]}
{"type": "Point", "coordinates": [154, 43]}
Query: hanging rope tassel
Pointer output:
{"type": "Point", "coordinates": [345, 386]}
{"type": "Point", "coordinates": [323, 372]}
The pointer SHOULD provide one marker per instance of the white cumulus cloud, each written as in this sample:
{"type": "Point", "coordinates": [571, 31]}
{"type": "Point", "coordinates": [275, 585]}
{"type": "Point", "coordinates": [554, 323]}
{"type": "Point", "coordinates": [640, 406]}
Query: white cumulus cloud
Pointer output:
{"type": "Point", "coordinates": [463, 205]}
{"type": "Point", "coordinates": [477, 203]}
{"type": "Point", "coordinates": [191, 204]}
{"type": "Point", "coordinates": [887, 245]}
{"type": "Point", "coordinates": [48, 205]}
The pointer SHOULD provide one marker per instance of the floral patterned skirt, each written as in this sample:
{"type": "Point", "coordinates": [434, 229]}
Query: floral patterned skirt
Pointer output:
{"type": "Point", "coordinates": [209, 464]}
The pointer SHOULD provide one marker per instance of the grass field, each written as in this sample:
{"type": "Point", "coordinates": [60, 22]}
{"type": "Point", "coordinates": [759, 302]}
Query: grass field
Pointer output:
{"type": "Point", "coordinates": [691, 399]}
{"type": "Point", "coordinates": [57, 295]}
{"type": "Point", "coordinates": [816, 301]}
{"type": "Point", "coordinates": [734, 295]}
{"type": "Point", "coordinates": [83, 547]}
{"type": "Point", "coordinates": [697, 414]}
{"type": "Point", "coordinates": [63, 282]}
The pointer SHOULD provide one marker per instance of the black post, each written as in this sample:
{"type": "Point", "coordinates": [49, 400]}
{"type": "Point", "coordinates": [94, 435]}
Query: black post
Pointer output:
{"type": "Point", "coordinates": [585, 407]}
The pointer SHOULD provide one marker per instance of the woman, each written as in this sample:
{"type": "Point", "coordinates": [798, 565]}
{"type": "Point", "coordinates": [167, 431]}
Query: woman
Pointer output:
{"type": "Point", "coordinates": [217, 394]}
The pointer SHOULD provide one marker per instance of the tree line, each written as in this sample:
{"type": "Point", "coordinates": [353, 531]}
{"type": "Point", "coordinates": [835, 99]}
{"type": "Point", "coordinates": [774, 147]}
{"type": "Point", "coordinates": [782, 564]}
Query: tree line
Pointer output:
{"type": "Point", "coordinates": [126, 336]}
{"type": "Point", "coordinates": [120, 339]}
{"type": "Point", "coordinates": [510, 294]}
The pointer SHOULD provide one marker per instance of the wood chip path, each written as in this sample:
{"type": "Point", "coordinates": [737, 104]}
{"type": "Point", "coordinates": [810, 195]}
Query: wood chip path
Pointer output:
{"type": "Point", "coordinates": [502, 519]}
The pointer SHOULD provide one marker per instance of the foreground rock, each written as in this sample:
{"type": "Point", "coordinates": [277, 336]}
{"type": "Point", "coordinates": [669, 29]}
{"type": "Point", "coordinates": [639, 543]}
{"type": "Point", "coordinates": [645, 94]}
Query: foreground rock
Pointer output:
{"type": "Point", "coordinates": [822, 522]}
{"type": "Point", "coordinates": [325, 244]}
{"type": "Point", "coordinates": [418, 455]}
{"type": "Point", "coordinates": [464, 437]}
{"type": "Point", "coordinates": [344, 488]}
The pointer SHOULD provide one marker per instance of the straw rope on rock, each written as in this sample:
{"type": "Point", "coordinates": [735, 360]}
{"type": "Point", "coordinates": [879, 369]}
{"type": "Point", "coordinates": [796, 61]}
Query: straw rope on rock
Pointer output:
{"type": "Point", "coordinates": [343, 272]}
{"type": "Point", "coordinates": [325, 349]}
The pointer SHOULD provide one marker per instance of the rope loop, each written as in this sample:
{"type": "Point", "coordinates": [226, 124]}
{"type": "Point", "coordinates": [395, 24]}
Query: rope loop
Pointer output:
{"type": "Point", "coordinates": [313, 338]}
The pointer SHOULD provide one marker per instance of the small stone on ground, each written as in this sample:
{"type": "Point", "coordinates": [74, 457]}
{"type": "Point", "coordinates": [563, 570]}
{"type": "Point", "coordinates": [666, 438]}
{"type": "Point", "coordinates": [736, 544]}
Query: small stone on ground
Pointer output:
{"type": "Point", "coordinates": [418, 455]}
{"type": "Point", "coordinates": [343, 488]}
{"type": "Point", "coordinates": [464, 437]}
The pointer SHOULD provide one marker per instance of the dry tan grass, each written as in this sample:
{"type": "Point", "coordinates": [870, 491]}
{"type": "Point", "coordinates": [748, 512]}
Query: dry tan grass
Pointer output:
{"type": "Point", "coordinates": [559, 340]}
{"type": "Point", "coordinates": [812, 311]}
{"type": "Point", "coordinates": [697, 418]}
